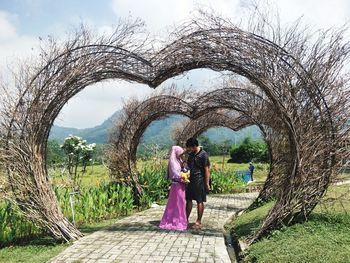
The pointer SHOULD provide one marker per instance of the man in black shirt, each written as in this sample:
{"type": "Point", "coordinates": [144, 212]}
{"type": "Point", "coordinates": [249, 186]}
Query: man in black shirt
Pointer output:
{"type": "Point", "coordinates": [197, 189]}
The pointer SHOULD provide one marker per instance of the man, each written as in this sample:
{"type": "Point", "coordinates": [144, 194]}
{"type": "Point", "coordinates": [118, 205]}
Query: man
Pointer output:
{"type": "Point", "coordinates": [197, 189]}
{"type": "Point", "coordinates": [251, 169]}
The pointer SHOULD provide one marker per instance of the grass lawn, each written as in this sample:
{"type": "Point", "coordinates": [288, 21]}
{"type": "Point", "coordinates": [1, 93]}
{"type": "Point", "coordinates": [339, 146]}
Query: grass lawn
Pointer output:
{"type": "Point", "coordinates": [38, 250]}
{"type": "Point", "coordinates": [42, 249]}
{"type": "Point", "coordinates": [325, 237]}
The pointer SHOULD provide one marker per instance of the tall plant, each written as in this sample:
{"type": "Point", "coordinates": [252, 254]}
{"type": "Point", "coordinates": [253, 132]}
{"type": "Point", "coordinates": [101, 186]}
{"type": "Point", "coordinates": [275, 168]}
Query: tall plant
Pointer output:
{"type": "Point", "coordinates": [78, 152]}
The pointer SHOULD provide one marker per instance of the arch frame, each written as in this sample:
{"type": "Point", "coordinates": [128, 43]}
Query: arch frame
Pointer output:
{"type": "Point", "coordinates": [295, 81]}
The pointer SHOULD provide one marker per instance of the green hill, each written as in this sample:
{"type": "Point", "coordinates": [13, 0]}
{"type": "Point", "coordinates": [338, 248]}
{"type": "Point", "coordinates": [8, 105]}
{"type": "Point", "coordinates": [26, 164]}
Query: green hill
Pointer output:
{"type": "Point", "coordinates": [158, 132]}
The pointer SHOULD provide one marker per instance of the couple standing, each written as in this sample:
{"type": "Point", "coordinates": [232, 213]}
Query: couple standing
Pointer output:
{"type": "Point", "coordinates": [181, 196]}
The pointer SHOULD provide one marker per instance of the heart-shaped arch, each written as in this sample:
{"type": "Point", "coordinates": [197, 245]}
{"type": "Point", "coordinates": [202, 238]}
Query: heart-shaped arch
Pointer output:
{"type": "Point", "coordinates": [253, 110]}
{"type": "Point", "coordinates": [276, 142]}
{"type": "Point", "coordinates": [139, 115]}
{"type": "Point", "coordinates": [298, 92]}
{"type": "Point", "coordinates": [203, 113]}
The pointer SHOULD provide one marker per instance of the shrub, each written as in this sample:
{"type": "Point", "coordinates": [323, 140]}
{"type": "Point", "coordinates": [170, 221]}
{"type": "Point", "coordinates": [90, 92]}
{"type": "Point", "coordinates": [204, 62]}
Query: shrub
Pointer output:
{"type": "Point", "coordinates": [248, 151]}
{"type": "Point", "coordinates": [97, 203]}
{"type": "Point", "coordinates": [14, 226]}
{"type": "Point", "coordinates": [224, 182]}
{"type": "Point", "coordinates": [154, 183]}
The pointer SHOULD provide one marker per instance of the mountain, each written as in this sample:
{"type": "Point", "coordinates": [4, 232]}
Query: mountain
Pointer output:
{"type": "Point", "coordinates": [158, 132]}
{"type": "Point", "coordinates": [97, 134]}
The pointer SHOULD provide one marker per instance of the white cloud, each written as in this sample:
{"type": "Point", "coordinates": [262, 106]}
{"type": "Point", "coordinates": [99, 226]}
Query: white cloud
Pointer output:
{"type": "Point", "coordinates": [98, 102]}
{"type": "Point", "coordinates": [318, 14]}
{"type": "Point", "coordinates": [13, 47]}
{"type": "Point", "coordinates": [160, 14]}
{"type": "Point", "coordinates": [7, 29]}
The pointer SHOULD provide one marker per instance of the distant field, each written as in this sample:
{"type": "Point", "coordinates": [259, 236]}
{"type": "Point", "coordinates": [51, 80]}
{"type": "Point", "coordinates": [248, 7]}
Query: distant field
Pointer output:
{"type": "Point", "coordinates": [95, 176]}
{"type": "Point", "coordinates": [98, 174]}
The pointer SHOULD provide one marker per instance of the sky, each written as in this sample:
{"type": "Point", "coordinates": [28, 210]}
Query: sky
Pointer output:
{"type": "Point", "coordinates": [23, 22]}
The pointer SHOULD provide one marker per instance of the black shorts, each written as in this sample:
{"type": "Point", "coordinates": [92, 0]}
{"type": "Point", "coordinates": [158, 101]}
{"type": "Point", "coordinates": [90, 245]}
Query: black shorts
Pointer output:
{"type": "Point", "coordinates": [195, 190]}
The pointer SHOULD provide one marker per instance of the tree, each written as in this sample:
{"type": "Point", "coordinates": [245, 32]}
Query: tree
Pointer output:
{"type": "Point", "coordinates": [249, 150]}
{"type": "Point", "coordinates": [55, 154]}
{"type": "Point", "coordinates": [214, 148]}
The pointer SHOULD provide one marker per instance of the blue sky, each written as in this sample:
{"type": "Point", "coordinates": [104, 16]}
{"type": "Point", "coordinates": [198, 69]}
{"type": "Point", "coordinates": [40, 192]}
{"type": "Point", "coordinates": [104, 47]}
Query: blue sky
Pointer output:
{"type": "Point", "coordinates": [22, 22]}
{"type": "Point", "coordinates": [42, 17]}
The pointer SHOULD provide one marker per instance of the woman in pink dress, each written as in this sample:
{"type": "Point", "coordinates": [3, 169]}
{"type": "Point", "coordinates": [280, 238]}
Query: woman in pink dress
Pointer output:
{"type": "Point", "coordinates": [174, 217]}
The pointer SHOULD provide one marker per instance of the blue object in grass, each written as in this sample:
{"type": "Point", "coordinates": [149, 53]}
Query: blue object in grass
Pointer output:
{"type": "Point", "coordinates": [246, 176]}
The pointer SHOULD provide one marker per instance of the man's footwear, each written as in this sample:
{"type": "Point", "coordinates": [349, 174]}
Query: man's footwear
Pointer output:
{"type": "Point", "coordinates": [197, 226]}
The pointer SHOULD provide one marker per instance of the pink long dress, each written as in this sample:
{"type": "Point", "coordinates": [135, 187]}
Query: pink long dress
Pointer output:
{"type": "Point", "coordinates": [174, 217]}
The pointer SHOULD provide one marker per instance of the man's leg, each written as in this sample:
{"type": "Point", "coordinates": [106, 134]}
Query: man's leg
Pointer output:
{"type": "Point", "coordinates": [188, 208]}
{"type": "Point", "coordinates": [200, 210]}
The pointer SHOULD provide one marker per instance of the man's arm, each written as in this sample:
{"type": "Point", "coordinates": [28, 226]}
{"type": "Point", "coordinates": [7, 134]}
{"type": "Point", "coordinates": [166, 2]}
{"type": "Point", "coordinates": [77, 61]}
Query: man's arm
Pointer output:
{"type": "Point", "coordinates": [207, 177]}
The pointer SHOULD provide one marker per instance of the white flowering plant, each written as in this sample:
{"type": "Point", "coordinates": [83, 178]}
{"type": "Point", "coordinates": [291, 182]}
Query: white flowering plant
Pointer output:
{"type": "Point", "coordinates": [78, 152]}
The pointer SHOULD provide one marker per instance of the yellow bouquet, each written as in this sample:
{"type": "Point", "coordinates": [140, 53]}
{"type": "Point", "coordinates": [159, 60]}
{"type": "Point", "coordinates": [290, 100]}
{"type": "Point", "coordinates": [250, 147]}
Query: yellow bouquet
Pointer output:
{"type": "Point", "coordinates": [185, 176]}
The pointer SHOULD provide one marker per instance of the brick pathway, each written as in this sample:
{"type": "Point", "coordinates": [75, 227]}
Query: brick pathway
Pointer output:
{"type": "Point", "coordinates": [138, 239]}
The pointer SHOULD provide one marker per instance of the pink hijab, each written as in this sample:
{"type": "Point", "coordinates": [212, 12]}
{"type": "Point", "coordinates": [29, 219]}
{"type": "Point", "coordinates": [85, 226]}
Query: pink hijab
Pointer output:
{"type": "Point", "coordinates": [175, 163]}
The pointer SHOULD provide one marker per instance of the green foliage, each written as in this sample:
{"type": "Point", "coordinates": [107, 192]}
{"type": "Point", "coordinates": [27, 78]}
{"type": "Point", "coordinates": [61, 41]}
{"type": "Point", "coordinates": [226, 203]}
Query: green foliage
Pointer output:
{"type": "Point", "coordinates": [95, 175]}
{"type": "Point", "coordinates": [91, 205]}
{"type": "Point", "coordinates": [97, 203]}
{"type": "Point", "coordinates": [99, 200]}
{"type": "Point", "coordinates": [226, 181]}
{"type": "Point", "coordinates": [214, 148]}
{"type": "Point", "coordinates": [145, 201]}
{"type": "Point", "coordinates": [245, 225]}
{"type": "Point", "coordinates": [99, 155]}
{"type": "Point", "coordinates": [78, 151]}
{"type": "Point", "coordinates": [155, 185]}
{"type": "Point", "coordinates": [13, 225]}
{"type": "Point", "coordinates": [324, 237]}
{"type": "Point", "coordinates": [55, 154]}
{"type": "Point", "coordinates": [249, 150]}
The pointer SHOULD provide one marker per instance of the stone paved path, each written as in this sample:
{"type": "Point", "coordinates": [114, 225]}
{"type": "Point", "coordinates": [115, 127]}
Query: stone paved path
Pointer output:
{"type": "Point", "coordinates": [138, 239]}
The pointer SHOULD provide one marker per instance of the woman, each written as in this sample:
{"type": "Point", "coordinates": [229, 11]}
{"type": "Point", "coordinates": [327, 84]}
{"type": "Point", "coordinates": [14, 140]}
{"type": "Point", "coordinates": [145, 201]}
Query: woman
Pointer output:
{"type": "Point", "coordinates": [174, 217]}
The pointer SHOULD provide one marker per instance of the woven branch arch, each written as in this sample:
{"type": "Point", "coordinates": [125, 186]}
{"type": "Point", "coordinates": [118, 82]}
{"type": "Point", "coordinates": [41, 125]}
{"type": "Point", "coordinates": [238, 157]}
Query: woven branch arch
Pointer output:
{"type": "Point", "coordinates": [195, 127]}
{"type": "Point", "coordinates": [305, 88]}
{"type": "Point", "coordinates": [126, 135]}
{"type": "Point", "coordinates": [264, 118]}
{"type": "Point", "coordinates": [128, 130]}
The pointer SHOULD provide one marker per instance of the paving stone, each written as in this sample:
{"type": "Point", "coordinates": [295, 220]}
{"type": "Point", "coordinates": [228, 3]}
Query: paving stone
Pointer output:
{"type": "Point", "coordinates": [138, 239]}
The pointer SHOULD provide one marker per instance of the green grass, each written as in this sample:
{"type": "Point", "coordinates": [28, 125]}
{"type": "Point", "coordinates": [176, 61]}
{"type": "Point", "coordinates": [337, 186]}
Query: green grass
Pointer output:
{"type": "Point", "coordinates": [95, 176]}
{"type": "Point", "coordinates": [244, 226]}
{"type": "Point", "coordinates": [343, 177]}
{"type": "Point", "coordinates": [98, 174]}
{"type": "Point", "coordinates": [93, 227]}
{"type": "Point", "coordinates": [325, 237]}
{"type": "Point", "coordinates": [260, 172]}
{"type": "Point", "coordinates": [36, 251]}
{"type": "Point", "coordinates": [42, 249]}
